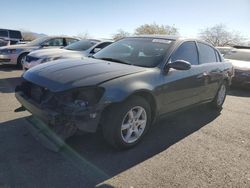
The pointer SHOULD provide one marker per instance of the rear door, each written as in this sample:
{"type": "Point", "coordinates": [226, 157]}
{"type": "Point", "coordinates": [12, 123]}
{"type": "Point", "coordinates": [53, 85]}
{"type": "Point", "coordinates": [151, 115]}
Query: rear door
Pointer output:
{"type": "Point", "coordinates": [182, 88]}
{"type": "Point", "coordinates": [210, 62]}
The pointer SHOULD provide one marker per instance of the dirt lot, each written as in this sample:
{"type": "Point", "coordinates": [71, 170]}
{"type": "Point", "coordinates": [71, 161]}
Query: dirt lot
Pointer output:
{"type": "Point", "coordinates": [196, 148]}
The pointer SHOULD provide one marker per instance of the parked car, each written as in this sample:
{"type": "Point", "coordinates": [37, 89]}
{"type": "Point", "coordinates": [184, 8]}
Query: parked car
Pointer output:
{"type": "Point", "coordinates": [125, 87]}
{"type": "Point", "coordinates": [80, 49]}
{"type": "Point", "coordinates": [240, 58]}
{"type": "Point", "coordinates": [3, 42]}
{"type": "Point", "coordinates": [10, 37]}
{"type": "Point", "coordinates": [15, 54]}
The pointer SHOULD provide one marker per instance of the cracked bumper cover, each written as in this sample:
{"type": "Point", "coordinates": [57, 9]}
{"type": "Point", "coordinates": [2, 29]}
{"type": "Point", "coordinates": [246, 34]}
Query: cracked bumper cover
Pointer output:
{"type": "Point", "coordinates": [86, 119]}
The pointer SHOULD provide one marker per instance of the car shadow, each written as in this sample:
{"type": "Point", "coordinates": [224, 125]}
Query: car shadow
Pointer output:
{"type": "Point", "coordinates": [7, 85]}
{"type": "Point", "coordinates": [239, 92]}
{"type": "Point", "coordinates": [9, 68]}
{"type": "Point", "coordinates": [89, 161]}
{"type": "Point", "coordinates": [161, 136]}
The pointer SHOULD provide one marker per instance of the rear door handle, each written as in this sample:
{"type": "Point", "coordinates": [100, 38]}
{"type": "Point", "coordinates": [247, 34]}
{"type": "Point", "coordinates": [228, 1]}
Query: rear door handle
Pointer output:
{"type": "Point", "coordinates": [202, 75]}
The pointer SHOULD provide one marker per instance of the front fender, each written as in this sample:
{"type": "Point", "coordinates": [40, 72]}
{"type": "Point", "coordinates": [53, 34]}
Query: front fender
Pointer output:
{"type": "Point", "coordinates": [121, 91]}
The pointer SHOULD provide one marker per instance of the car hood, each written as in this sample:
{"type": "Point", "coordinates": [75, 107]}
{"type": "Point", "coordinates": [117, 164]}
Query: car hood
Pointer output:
{"type": "Point", "coordinates": [66, 74]}
{"type": "Point", "coordinates": [47, 53]}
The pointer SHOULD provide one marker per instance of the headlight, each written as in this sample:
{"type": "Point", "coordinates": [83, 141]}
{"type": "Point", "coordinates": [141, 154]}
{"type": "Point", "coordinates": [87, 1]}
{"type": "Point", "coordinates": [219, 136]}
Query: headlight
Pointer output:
{"type": "Point", "coordinates": [9, 51]}
{"type": "Point", "coordinates": [82, 97]}
{"type": "Point", "coordinates": [49, 59]}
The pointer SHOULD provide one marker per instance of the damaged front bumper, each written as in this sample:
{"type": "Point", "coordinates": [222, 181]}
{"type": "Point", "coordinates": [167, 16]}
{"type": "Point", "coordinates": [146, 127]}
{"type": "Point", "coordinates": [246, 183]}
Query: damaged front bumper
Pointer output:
{"type": "Point", "coordinates": [85, 119]}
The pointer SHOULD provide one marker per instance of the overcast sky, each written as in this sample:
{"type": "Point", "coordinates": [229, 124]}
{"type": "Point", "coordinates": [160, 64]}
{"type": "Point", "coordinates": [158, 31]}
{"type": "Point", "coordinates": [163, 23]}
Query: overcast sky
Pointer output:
{"type": "Point", "coordinates": [102, 18]}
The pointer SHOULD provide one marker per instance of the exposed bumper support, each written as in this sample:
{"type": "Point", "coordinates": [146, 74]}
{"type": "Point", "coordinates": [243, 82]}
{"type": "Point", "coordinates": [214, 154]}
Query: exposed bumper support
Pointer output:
{"type": "Point", "coordinates": [85, 120]}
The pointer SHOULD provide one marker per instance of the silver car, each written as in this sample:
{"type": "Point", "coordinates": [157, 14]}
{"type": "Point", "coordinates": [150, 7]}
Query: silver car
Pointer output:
{"type": "Point", "coordinates": [15, 54]}
{"type": "Point", "coordinates": [78, 50]}
{"type": "Point", "coordinates": [239, 56]}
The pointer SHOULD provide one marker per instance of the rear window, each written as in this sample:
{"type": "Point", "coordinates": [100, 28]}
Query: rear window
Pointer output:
{"type": "Point", "coordinates": [3, 33]}
{"type": "Point", "coordinates": [15, 34]}
{"type": "Point", "coordinates": [206, 53]}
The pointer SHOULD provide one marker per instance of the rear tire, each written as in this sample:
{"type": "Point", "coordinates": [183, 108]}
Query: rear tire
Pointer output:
{"type": "Point", "coordinates": [220, 96]}
{"type": "Point", "coordinates": [125, 124]}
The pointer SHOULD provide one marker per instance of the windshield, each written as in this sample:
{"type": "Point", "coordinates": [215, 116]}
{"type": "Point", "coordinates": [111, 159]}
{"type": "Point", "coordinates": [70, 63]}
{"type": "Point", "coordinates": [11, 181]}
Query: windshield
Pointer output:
{"type": "Point", "coordinates": [145, 52]}
{"type": "Point", "coordinates": [81, 45]}
{"type": "Point", "coordinates": [241, 55]}
{"type": "Point", "coordinates": [38, 41]}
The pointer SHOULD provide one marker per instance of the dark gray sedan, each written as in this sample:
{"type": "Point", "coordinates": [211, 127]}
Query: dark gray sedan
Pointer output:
{"type": "Point", "coordinates": [125, 87]}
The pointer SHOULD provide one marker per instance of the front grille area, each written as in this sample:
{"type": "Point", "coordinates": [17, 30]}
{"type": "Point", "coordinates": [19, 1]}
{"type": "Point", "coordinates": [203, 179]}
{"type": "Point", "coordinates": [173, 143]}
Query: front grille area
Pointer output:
{"type": "Point", "coordinates": [31, 58]}
{"type": "Point", "coordinates": [4, 60]}
{"type": "Point", "coordinates": [37, 93]}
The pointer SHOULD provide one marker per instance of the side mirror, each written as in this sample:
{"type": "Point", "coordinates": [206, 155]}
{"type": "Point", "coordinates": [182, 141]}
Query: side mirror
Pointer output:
{"type": "Point", "coordinates": [96, 50]}
{"type": "Point", "coordinates": [179, 65]}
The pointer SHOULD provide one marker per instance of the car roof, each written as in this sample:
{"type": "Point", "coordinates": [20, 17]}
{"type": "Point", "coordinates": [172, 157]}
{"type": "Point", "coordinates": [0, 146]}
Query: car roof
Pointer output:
{"type": "Point", "coordinates": [171, 37]}
{"type": "Point", "coordinates": [60, 36]}
{"type": "Point", "coordinates": [10, 30]}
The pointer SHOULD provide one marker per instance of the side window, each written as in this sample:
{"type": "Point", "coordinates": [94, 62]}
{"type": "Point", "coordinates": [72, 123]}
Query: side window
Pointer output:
{"type": "Point", "coordinates": [206, 53]}
{"type": "Point", "coordinates": [100, 46]}
{"type": "Point", "coordinates": [187, 52]}
{"type": "Point", "coordinates": [54, 42]}
{"type": "Point", "coordinates": [70, 41]}
{"type": "Point", "coordinates": [4, 33]}
{"type": "Point", "coordinates": [15, 34]}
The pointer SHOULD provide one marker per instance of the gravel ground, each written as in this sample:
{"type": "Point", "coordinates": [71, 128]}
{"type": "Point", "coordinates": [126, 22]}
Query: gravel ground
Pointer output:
{"type": "Point", "coordinates": [195, 148]}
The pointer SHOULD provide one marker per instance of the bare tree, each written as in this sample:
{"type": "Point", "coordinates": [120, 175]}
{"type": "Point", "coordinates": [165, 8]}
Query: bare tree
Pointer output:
{"type": "Point", "coordinates": [120, 34]}
{"type": "Point", "coordinates": [84, 35]}
{"type": "Point", "coordinates": [218, 35]}
{"type": "Point", "coordinates": [156, 29]}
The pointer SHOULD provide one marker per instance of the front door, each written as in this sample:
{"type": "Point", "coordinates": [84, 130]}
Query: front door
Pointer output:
{"type": "Point", "coordinates": [181, 88]}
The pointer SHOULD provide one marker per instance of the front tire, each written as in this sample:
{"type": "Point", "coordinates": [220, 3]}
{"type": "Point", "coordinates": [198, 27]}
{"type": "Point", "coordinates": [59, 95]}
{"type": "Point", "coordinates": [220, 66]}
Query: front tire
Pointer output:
{"type": "Point", "coordinates": [125, 124]}
{"type": "Point", "coordinates": [20, 60]}
{"type": "Point", "coordinates": [220, 96]}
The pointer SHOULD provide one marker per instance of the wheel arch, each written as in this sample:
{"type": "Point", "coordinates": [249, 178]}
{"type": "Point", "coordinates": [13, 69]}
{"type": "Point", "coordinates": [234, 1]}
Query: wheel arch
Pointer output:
{"type": "Point", "coordinates": [145, 94]}
{"type": "Point", "coordinates": [19, 57]}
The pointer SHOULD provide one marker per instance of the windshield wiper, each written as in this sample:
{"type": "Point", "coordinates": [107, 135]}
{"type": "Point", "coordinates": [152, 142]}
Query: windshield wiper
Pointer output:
{"type": "Point", "coordinates": [115, 60]}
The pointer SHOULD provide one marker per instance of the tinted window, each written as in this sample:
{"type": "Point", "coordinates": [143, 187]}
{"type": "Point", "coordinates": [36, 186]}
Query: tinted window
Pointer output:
{"type": "Point", "coordinates": [15, 34]}
{"type": "Point", "coordinates": [4, 33]}
{"type": "Point", "coordinates": [70, 41]}
{"type": "Point", "coordinates": [101, 46]}
{"type": "Point", "coordinates": [38, 41]}
{"type": "Point", "coordinates": [207, 53]}
{"type": "Point", "coordinates": [54, 42]}
{"type": "Point", "coordinates": [187, 52]}
{"type": "Point", "coordinates": [145, 52]}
